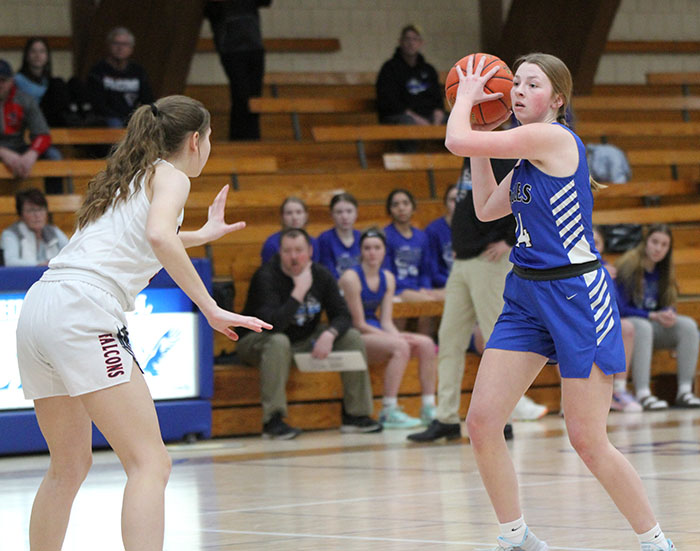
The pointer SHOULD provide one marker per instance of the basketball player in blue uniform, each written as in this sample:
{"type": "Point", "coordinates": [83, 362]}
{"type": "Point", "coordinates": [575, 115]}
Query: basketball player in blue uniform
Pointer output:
{"type": "Point", "coordinates": [559, 301]}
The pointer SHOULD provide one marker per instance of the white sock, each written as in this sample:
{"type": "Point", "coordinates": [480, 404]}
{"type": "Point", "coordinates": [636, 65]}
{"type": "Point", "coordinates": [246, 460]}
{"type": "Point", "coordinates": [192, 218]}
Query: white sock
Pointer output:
{"type": "Point", "coordinates": [684, 387]}
{"type": "Point", "coordinates": [513, 531]}
{"type": "Point", "coordinates": [655, 535]}
{"type": "Point", "coordinates": [641, 394]}
{"type": "Point", "coordinates": [428, 400]}
{"type": "Point", "coordinates": [389, 402]}
{"type": "Point", "coordinates": [619, 385]}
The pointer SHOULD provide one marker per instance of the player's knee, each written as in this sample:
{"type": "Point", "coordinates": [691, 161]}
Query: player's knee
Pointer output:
{"type": "Point", "coordinates": [587, 445]}
{"type": "Point", "coordinates": [279, 340]}
{"type": "Point", "coordinates": [73, 472]}
{"type": "Point", "coordinates": [481, 425]}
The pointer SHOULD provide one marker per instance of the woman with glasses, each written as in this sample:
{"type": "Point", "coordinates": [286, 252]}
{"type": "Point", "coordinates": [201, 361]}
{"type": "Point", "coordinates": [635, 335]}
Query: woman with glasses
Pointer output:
{"type": "Point", "coordinates": [33, 240]}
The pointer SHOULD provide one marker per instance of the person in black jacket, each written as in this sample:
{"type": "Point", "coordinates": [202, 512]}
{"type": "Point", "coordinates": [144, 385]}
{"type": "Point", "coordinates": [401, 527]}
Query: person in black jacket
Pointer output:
{"type": "Point", "coordinates": [408, 90]}
{"type": "Point", "coordinates": [292, 292]}
{"type": "Point", "coordinates": [116, 85]}
{"type": "Point", "coordinates": [239, 43]}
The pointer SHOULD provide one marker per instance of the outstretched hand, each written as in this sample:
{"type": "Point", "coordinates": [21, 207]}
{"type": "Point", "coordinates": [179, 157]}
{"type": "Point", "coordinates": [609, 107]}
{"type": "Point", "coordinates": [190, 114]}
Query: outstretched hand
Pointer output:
{"type": "Point", "coordinates": [216, 225]}
{"type": "Point", "coordinates": [223, 321]}
{"type": "Point", "coordinates": [471, 82]}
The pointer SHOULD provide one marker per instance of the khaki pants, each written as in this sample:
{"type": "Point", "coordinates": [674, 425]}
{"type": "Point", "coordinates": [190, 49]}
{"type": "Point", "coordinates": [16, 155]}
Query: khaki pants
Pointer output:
{"type": "Point", "coordinates": [473, 294]}
{"type": "Point", "coordinates": [273, 353]}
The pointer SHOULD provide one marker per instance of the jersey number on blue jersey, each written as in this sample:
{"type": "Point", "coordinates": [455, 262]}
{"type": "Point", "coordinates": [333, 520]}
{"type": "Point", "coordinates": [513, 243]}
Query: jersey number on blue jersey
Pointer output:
{"type": "Point", "coordinates": [522, 233]}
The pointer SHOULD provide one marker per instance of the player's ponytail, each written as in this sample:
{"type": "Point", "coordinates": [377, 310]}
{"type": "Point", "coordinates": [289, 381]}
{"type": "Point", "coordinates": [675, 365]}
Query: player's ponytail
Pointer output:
{"type": "Point", "coordinates": [154, 132]}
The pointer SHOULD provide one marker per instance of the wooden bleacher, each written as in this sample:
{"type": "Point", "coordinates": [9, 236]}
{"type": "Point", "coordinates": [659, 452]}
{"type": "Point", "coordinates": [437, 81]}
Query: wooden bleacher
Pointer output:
{"type": "Point", "coordinates": [295, 106]}
{"type": "Point", "coordinates": [204, 45]}
{"type": "Point", "coordinates": [315, 170]}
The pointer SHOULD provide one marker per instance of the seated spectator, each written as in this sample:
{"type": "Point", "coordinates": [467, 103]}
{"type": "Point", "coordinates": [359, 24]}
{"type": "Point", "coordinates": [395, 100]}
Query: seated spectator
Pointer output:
{"type": "Point", "coordinates": [647, 295]}
{"type": "Point", "coordinates": [292, 292]}
{"type": "Point", "coordinates": [368, 288]}
{"type": "Point", "coordinates": [439, 234]}
{"type": "Point", "coordinates": [21, 114]}
{"type": "Point", "coordinates": [51, 93]}
{"type": "Point", "coordinates": [407, 256]}
{"type": "Point", "coordinates": [339, 247]}
{"type": "Point", "coordinates": [408, 89]}
{"type": "Point", "coordinates": [32, 241]}
{"type": "Point", "coordinates": [295, 214]}
{"type": "Point", "coordinates": [116, 85]}
{"type": "Point", "coordinates": [407, 249]}
{"type": "Point", "coordinates": [621, 399]}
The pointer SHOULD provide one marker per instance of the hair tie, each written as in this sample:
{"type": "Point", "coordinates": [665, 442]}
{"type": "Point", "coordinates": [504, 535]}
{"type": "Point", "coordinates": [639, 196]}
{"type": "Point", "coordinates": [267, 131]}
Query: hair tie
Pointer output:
{"type": "Point", "coordinates": [154, 110]}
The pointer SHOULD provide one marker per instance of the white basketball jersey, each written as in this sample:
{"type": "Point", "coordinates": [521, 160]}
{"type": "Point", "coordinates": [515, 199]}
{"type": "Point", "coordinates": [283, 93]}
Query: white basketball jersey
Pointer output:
{"type": "Point", "coordinates": [113, 250]}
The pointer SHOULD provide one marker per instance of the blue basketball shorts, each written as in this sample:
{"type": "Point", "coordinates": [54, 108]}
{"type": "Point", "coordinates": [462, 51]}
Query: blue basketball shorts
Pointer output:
{"type": "Point", "coordinates": [573, 321]}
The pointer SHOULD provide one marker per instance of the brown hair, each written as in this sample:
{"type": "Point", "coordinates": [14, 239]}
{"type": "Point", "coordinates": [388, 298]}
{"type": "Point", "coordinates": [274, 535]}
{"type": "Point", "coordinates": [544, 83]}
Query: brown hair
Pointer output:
{"type": "Point", "coordinates": [630, 270]}
{"type": "Point", "coordinates": [562, 85]}
{"type": "Point", "coordinates": [30, 195]}
{"type": "Point", "coordinates": [155, 131]}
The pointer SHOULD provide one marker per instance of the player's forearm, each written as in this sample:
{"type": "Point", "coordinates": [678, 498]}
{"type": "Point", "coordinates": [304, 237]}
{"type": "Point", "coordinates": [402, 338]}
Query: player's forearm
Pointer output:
{"type": "Point", "coordinates": [171, 254]}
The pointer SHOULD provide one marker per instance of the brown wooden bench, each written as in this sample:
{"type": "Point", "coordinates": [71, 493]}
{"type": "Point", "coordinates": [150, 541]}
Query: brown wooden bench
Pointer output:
{"type": "Point", "coordinates": [80, 136]}
{"type": "Point", "coordinates": [684, 80]}
{"type": "Point", "coordinates": [71, 168]}
{"type": "Point", "coordinates": [673, 158]}
{"type": "Point", "coordinates": [294, 106]}
{"type": "Point", "coordinates": [604, 130]}
{"type": "Point", "coordinates": [272, 45]}
{"type": "Point", "coordinates": [652, 47]}
{"type": "Point", "coordinates": [430, 162]}
{"type": "Point", "coordinates": [682, 104]}
{"type": "Point", "coordinates": [378, 132]}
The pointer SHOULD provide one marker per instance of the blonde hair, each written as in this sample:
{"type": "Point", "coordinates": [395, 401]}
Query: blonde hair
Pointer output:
{"type": "Point", "coordinates": [630, 270]}
{"type": "Point", "coordinates": [155, 131]}
{"type": "Point", "coordinates": [562, 85]}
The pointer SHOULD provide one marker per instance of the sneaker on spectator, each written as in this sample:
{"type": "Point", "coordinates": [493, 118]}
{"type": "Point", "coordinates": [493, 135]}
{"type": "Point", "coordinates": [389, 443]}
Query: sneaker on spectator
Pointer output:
{"type": "Point", "coordinates": [625, 402]}
{"type": "Point", "coordinates": [394, 418]}
{"type": "Point", "coordinates": [359, 423]}
{"type": "Point", "coordinates": [527, 410]}
{"type": "Point", "coordinates": [428, 414]}
{"type": "Point", "coordinates": [277, 429]}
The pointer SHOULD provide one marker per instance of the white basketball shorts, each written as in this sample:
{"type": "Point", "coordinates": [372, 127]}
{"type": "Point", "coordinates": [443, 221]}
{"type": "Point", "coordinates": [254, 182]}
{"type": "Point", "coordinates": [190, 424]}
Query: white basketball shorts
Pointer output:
{"type": "Point", "coordinates": [71, 340]}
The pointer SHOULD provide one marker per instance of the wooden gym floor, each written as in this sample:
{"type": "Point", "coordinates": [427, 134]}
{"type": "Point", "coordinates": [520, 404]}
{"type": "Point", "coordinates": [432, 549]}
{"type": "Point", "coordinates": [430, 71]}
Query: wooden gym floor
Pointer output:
{"type": "Point", "coordinates": [330, 491]}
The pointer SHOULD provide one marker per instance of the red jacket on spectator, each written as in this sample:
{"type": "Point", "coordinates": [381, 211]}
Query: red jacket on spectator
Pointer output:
{"type": "Point", "coordinates": [19, 113]}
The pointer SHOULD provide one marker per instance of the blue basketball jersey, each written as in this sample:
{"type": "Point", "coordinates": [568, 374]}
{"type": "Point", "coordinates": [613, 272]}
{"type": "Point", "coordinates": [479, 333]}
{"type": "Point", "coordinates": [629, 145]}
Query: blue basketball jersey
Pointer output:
{"type": "Point", "coordinates": [408, 259]}
{"type": "Point", "coordinates": [441, 257]}
{"type": "Point", "coordinates": [334, 255]}
{"type": "Point", "coordinates": [371, 300]}
{"type": "Point", "coordinates": [552, 215]}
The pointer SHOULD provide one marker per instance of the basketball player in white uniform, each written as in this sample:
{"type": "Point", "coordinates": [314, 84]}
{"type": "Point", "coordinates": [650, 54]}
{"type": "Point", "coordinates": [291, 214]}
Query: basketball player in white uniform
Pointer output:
{"type": "Point", "coordinates": [72, 343]}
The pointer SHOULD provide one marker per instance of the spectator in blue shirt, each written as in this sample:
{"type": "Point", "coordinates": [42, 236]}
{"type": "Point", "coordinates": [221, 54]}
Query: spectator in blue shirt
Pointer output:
{"type": "Point", "coordinates": [339, 247]}
{"type": "Point", "coordinates": [647, 295]}
{"type": "Point", "coordinates": [407, 255]}
{"type": "Point", "coordinates": [439, 233]}
{"type": "Point", "coordinates": [295, 214]}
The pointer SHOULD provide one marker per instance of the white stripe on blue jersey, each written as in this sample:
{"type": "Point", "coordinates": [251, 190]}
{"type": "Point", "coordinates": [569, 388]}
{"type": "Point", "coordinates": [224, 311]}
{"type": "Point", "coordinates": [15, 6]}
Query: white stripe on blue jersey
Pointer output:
{"type": "Point", "coordinates": [601, 302]}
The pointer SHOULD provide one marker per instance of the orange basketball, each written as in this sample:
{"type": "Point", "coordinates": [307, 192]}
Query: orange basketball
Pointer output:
{"type": "Point", "coordinates": [502, 81]}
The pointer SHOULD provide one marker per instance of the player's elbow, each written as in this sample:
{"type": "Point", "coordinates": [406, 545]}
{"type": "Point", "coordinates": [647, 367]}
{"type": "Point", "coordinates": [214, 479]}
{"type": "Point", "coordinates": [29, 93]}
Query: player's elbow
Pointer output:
{"type": "Point", "coordinates": [484, 213]}
{"type": "Point", "coordinates": [452, 144]}
{"type": "Point", "coordinates": [157, 238]}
